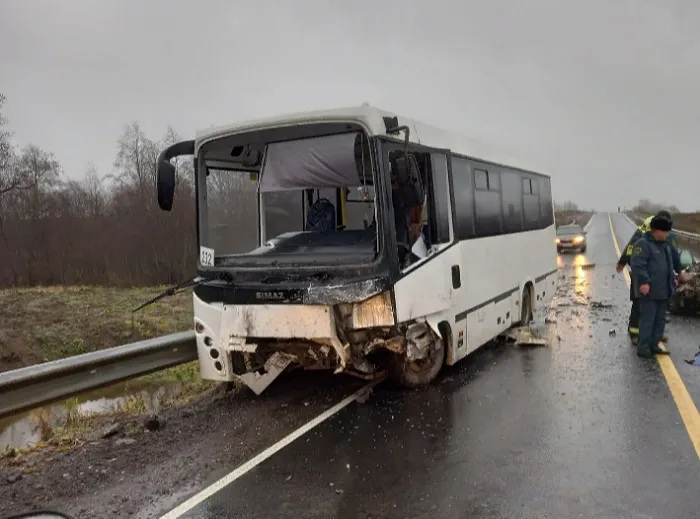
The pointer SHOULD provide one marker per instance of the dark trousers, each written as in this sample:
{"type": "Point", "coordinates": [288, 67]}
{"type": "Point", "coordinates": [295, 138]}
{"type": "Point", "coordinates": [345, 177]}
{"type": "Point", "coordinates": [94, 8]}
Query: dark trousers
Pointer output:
{"type": "Point", "coordinates": [634, 318]}
{"type": "Point", "coordinates": [633, 327]}
{"type": "Point", "coordinates": [652, 321]}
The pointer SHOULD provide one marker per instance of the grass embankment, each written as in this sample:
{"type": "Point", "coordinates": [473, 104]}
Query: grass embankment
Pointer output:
{"type": "Point", "coordinates": [567, 217]}
{"type": "Point", "coordinates": [48, 323]}
{"type": "Point", "coordinates": [688, 222]}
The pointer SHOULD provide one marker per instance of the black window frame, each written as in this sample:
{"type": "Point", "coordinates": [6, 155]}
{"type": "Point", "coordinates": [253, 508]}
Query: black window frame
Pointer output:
{"type": "Point", "coordinates": [482, 173]}
{"type": "Point", "coordinates": [463, 183]}
{"type": "Point", "coordinates": [538, 185]}
{"type": "Point", "coordinates": [389, 145]}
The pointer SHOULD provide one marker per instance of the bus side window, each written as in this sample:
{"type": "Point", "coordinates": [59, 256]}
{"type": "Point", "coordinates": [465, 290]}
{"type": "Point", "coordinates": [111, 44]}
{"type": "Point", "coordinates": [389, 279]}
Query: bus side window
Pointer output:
{"type": "Point", "coordinates": [531, 203]}
{"type": "Point", "coordinates": [512, 201]}
{"type": "Point", "coordinates": [463, 188]}
{"type": "Point", "coordinates": [487, 201]}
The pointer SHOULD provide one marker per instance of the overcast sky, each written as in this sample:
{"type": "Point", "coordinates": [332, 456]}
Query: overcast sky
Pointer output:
{"type": "Point", "coordinates": [603, 93]}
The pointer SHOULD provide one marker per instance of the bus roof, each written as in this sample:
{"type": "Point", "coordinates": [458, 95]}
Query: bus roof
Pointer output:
{"type": "Point", "coordinates": [373, 120]}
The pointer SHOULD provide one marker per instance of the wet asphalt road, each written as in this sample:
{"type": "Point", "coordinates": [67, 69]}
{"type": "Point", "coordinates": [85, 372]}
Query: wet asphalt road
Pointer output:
{"type": "Point", "coordinates": [581, 428]}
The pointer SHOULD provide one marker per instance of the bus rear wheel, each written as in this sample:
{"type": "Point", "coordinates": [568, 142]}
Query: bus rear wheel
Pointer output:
{"type": "Point", "coordinates": [526, 306]}
{"type": "Point", "coordinates": [420, 372]}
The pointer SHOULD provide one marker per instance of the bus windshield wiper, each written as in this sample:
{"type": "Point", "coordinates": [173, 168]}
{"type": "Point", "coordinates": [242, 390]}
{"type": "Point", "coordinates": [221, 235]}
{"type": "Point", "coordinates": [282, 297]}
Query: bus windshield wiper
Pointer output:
{"type": "Point", "coordinates": [185, 285]}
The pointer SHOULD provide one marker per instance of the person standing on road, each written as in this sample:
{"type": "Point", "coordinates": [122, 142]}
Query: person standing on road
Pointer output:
{"type": "Point", "coordinates": [633, 326]}
{"type": "Point", "coordinates": [654, 283]}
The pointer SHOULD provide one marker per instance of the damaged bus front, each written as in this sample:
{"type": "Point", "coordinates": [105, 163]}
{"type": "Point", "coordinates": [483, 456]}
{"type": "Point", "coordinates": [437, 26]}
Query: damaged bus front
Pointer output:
{"type": "Point", "coordinates": [298, 253]}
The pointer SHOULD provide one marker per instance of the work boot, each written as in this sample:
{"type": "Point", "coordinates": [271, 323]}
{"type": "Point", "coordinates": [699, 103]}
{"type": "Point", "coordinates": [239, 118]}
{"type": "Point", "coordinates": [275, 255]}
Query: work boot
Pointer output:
{"type": "Point", "coordinates": [644, 353]}
{"type": "Point", "coordinates": [635, 340]}
{"type": "Point", "coordinates": [659, 351]}
{"type": "Point", "coordinates": [664, 338]}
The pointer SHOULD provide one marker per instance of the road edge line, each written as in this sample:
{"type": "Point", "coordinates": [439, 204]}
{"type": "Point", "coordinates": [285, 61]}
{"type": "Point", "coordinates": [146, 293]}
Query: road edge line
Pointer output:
{"type": "Point", "coordinates": [241, 470]}
{"type": "Point", "coordinates": [684, 402]}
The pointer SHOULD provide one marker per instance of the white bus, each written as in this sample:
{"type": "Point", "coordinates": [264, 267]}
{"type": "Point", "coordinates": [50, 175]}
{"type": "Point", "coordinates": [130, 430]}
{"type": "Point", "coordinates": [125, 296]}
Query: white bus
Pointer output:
{"type": "Point", "coordinates": [358, 241]}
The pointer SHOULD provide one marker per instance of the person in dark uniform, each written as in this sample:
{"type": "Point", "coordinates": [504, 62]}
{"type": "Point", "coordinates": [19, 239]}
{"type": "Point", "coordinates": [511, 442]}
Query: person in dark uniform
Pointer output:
{"type": "Point", "coordinates": [654, 283]}
{"type": "Point", "coordinates": [633, 326]}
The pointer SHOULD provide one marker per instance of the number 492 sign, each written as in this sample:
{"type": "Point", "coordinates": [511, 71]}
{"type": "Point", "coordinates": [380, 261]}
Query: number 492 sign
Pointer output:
{"type": "Point", "coordinates": [206, 256]}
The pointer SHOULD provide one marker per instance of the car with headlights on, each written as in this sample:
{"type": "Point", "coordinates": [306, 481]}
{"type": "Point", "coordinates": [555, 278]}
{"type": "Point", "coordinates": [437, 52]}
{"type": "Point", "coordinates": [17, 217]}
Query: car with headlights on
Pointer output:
{"type": "Point", "coordinates": [571, 237]}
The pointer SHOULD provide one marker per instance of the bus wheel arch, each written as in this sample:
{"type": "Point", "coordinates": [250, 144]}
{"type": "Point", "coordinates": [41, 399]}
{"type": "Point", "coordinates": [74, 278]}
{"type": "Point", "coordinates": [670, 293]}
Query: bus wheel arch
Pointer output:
{"type": "Point", "coordinates": [447, 340]}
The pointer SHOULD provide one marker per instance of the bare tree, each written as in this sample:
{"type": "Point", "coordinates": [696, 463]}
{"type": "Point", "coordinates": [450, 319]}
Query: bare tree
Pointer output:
{"type": "Point", "coordinates": [8, 176]}
{"type": "Point", "coordinates": [94, 230]}
{"type": "Point", "coordinates": [136, 158]}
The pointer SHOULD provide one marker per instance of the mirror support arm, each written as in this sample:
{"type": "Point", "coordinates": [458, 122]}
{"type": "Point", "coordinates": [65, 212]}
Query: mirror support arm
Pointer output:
{"type": "Point", "coordinates": [165, 172]}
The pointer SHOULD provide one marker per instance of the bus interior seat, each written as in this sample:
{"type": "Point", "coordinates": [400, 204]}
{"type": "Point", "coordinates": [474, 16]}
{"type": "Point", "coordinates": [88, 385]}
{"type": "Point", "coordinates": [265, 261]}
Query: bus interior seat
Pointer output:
{"type": "Point", "coordinates": [321, 216]}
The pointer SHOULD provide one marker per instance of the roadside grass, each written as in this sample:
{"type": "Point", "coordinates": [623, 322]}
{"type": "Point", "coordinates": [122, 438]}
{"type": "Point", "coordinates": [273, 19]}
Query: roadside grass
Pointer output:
{"type": "Point", "coordinates": [689, 222]}
{"type": "Point", "coordinates": [41, 324]}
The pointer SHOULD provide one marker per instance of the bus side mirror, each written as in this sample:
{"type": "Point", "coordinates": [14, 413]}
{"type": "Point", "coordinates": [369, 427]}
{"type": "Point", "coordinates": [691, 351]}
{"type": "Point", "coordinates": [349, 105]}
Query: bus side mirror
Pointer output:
{"type": "Point", "coordinates": [165, 182]}
{"type": "Point", "coordinates": [165, 172]}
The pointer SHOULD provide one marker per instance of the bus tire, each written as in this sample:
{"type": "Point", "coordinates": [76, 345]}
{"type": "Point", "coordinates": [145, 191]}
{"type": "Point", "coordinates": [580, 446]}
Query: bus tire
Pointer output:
{"type": "Point", "coordinates": [526, 306]}
{"type": "Point", "coordinates": [421, 372]}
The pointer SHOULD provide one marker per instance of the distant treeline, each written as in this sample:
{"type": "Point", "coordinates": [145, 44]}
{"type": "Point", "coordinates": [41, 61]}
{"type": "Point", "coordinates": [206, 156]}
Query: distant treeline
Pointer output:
{"type": "Point", "coordinates": [95, 231]}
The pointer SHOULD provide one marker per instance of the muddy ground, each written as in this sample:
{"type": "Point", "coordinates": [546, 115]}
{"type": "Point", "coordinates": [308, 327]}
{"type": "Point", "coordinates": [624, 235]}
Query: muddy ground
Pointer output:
{"type": "Point", "coordinates": [101, 476]}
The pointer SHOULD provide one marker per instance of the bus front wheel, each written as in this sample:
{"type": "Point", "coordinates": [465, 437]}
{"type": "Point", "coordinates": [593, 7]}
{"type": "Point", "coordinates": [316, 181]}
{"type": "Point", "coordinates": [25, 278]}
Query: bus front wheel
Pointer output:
{"type": "Point", "coordinates": [419, 372]}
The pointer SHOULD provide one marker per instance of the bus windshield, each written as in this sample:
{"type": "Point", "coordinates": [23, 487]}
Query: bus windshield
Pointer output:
{"type": "Point", "coordinates": [311, 202]}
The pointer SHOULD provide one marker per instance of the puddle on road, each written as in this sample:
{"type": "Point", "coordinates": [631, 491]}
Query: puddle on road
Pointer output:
{"type": "Point", "coordinates": [27, 429]}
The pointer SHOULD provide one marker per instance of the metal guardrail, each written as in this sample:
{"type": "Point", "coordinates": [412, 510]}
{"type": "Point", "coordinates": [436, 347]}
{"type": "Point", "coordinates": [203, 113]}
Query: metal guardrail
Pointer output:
{"type": "Point", "coordinates": [684, 234]}
{"type": "Point", "coordinates": [41, 384]}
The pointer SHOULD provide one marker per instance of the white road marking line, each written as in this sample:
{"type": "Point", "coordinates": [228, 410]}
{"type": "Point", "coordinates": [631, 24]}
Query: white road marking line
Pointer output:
{"type": "Point", "coordinates": [257, 460]}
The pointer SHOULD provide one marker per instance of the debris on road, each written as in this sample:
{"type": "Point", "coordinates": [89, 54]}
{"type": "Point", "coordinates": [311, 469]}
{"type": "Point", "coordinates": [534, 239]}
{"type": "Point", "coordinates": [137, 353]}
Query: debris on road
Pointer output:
{"type": "Point", "coordinates": [695, 361]}
{"type": "Point", "coordinates": [364, 396]}
{"type": "Point", "coordinates": [522, 336]}
{"type": "Point", "coordinates": [112, 430]}
{"type": "Point", "coordinates": [124, 441]}
{"type": "Point", "coordinates": [152, 423]}
{"type": "Point", "coordinates": [686, 300]}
